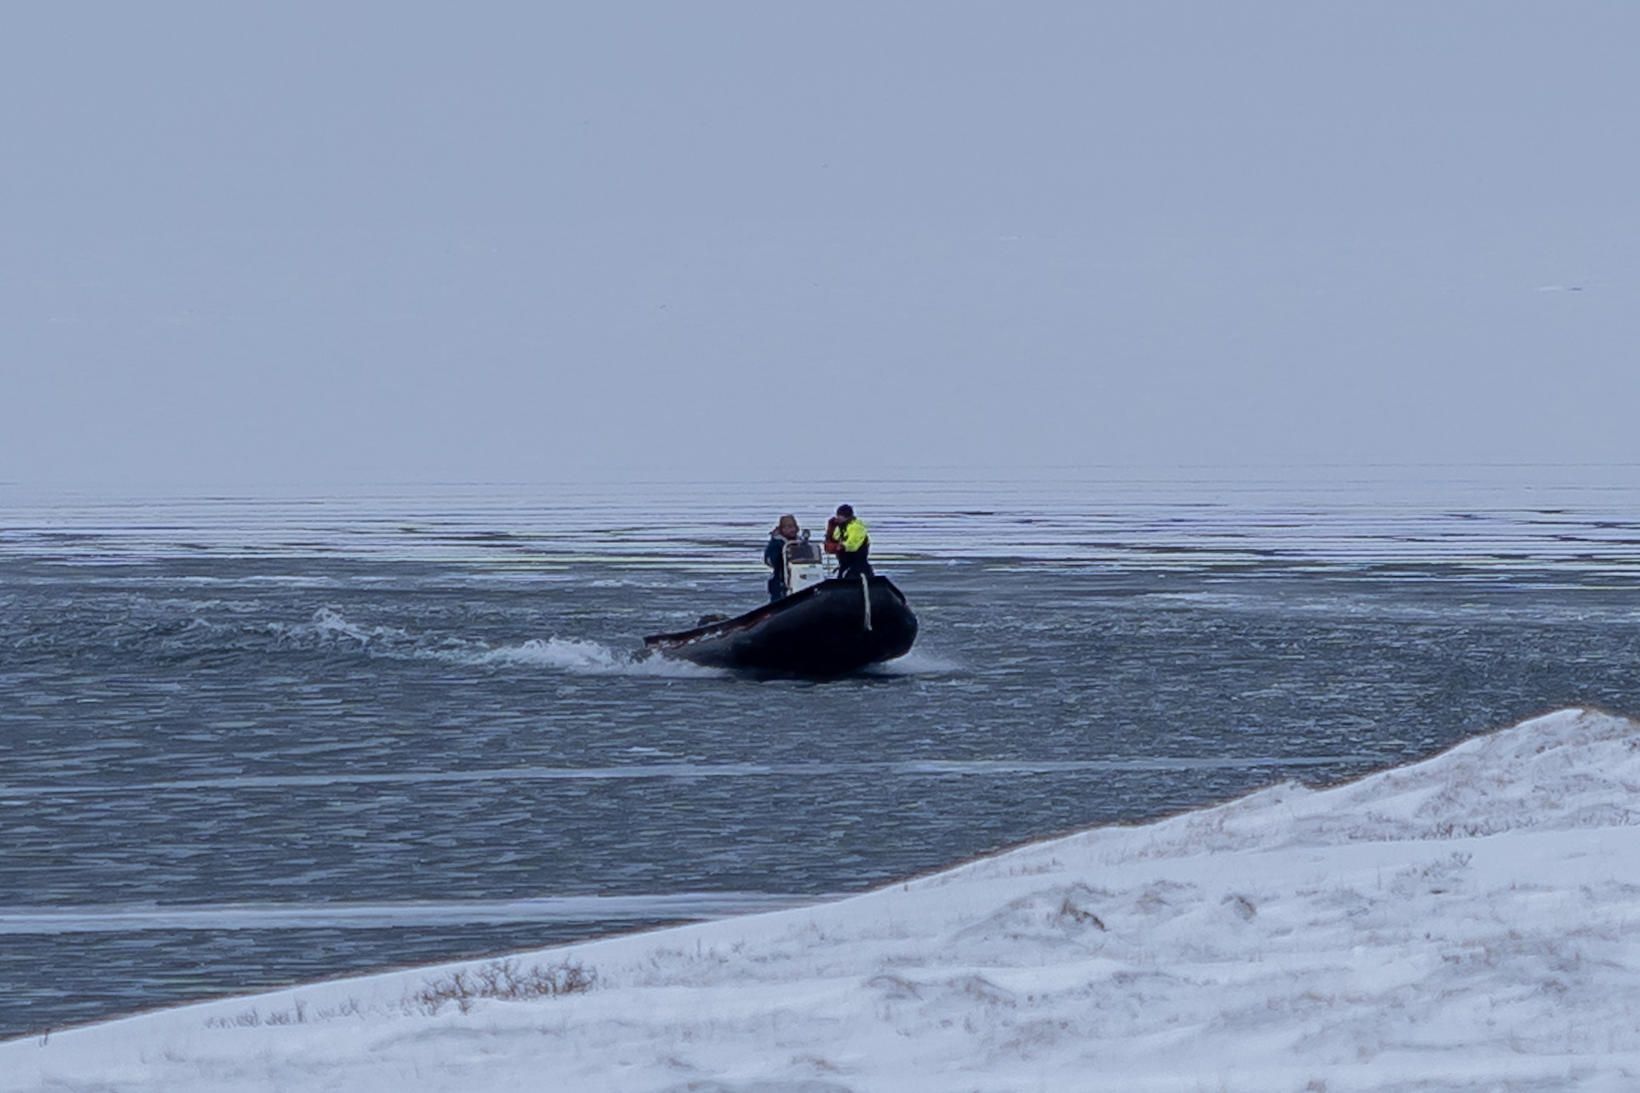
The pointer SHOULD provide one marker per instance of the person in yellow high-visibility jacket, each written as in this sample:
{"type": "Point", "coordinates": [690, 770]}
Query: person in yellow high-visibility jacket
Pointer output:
{"type": "Point", "coordinates": [846, 536]}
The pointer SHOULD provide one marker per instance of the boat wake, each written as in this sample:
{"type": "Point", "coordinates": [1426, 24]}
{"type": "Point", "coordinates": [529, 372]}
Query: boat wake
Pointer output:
{"type": "Point", "coordinates": [579, 657]}
{"type": "Point", "coordinates": [330, 631]}
{"type": "Point", "coordinates": [918, 662]}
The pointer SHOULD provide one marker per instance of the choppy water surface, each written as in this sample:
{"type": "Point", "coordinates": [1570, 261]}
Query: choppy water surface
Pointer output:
{"type": "Point", "coordinates": [249, 741]}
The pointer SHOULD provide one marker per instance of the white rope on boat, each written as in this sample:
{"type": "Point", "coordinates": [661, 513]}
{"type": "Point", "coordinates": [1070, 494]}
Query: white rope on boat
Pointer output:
{"type": "Point", "coordinates": [865, 586]}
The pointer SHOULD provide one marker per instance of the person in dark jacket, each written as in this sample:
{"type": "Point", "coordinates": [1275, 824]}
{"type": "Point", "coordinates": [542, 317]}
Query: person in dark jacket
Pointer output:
{"type": "Point", "coordinates": [846, 536]}
{"type": "Point", "coordinates": [774, 555]}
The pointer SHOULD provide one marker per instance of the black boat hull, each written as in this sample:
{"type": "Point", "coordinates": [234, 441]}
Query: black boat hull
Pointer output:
{"type": "Point", "coordinates": [821, 632]}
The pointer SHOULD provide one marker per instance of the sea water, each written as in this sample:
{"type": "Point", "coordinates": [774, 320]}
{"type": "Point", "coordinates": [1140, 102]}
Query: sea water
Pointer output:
{"type": "Point", "coordinates": [249, 740]}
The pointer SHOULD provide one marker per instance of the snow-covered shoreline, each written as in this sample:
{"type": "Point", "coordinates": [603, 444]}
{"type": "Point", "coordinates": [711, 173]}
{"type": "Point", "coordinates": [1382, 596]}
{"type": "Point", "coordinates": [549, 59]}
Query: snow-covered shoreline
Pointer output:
{"type": "Point", "coordinates": [1462, 923]}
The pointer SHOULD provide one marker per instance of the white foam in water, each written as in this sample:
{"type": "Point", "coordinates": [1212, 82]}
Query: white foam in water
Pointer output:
{"type": "Point", "coordinates": [328, 625]}
{"type": "Point", "coordinates": [572, 655]}
{"type": "Point", "coordinates": [918, 662]}
{"type": "Point", "coordinates": [579, 657]}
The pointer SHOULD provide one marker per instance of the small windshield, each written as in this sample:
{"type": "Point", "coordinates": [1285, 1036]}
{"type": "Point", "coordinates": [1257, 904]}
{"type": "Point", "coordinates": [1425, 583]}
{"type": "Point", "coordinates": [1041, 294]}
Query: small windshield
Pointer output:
{"type": "Point", "coordinates": [804, 551]}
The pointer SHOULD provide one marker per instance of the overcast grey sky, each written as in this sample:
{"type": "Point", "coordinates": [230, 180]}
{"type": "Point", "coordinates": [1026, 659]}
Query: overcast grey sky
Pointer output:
{"type": "Point", "coordinates": [359, 242]}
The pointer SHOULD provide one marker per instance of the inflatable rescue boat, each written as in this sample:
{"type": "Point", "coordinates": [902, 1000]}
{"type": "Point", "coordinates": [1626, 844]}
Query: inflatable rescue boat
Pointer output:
{"type": "Point", "coordinates": [826, 627]}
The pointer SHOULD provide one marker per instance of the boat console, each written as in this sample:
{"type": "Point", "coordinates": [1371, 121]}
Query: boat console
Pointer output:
{"type": "Point", "coordinates": [805, 565]}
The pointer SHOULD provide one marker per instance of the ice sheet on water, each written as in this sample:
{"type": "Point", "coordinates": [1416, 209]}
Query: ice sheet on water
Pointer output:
{"type": "Point", "coordinates": [1533, 520]}
{"type": "Point", "coordinates": [121, 919]}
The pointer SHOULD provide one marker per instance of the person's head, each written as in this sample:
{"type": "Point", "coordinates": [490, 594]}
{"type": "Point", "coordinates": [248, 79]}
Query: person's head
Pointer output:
{"type": "Point", "coordinates": [787, 528]}
{"type": "Point", "coordinates": [845, 512]}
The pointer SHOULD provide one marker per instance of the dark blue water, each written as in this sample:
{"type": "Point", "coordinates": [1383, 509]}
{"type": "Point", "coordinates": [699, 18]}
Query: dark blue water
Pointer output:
{"type": "Point", "coordinates": [247, 742]}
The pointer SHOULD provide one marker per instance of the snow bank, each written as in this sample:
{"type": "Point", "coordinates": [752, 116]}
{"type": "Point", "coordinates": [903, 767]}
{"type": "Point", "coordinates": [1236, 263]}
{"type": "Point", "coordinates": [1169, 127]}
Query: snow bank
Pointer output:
{"type": "Point", "coordinates": [1460, 924]}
